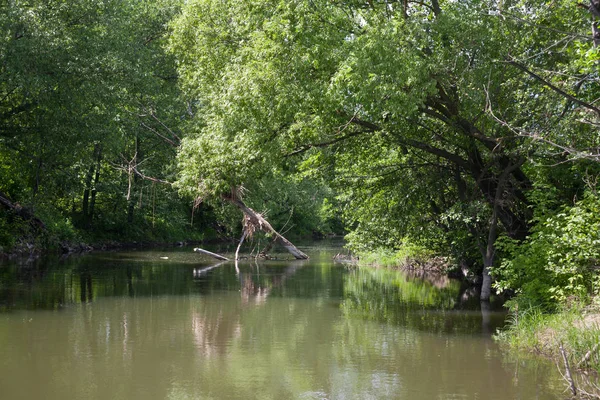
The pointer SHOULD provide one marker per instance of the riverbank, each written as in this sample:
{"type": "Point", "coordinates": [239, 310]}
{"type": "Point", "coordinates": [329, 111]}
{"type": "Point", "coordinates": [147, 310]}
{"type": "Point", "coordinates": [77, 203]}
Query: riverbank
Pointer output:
{"type": "Point", "coordinates": [26, 250]}
{"type": "Point", "coordinates": [408, 257]}
{"type": "Point", "coordinates": [575, 329]}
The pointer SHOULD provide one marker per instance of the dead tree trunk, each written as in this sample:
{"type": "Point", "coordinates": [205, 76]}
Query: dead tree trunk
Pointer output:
{"type": "Point", "coordinates": [237, 251]}
{"type": "Point", "coordinates": [259, 222]}
{"type": "Point", "coordinates": [21, 211]}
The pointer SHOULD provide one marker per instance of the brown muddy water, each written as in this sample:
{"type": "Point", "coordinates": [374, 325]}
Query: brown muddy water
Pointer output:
{"type": "Point", "coordinates": [172, 325]}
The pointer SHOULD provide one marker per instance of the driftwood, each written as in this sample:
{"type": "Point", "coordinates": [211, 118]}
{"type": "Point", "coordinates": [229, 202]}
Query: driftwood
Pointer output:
{"type": "Point", "coordinates": [209, 253]}
{"type": "Point", "coordinates": [568, 375]}
{"type": "Point", "coordinates": [259, 222]}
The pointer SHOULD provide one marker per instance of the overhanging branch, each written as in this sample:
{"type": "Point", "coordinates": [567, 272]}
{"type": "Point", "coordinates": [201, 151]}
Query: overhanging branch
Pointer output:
{"type": "Point", "coordinates": [555, 88]}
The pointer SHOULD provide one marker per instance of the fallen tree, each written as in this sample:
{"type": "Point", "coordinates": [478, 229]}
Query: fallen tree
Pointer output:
{"type": "Point", "coordinates": [254, 221]}
{"type": "Point", "coordinates": [21, 211]}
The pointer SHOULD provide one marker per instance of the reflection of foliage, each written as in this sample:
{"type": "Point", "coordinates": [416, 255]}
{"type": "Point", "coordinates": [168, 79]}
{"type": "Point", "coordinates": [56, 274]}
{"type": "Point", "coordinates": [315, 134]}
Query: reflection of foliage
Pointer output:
{"type": "Point", "coordinates": [51, 285]}
{"type": "Point", "coordinates": [395, 297]}
{"type": "Point", "coordinates": [396, 284]}
{"type": "Point", "coordinates": [80, 280]}
{"type": "Point", "coordinates": [187, 336]}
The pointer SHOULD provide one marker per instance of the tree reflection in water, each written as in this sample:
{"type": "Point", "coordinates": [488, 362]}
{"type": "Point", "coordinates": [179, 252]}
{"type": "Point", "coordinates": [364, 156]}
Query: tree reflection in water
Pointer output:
{"type": "Point", "coordinates": [418, 300]}
{"type": "Point", "coordinates": [143, 328]}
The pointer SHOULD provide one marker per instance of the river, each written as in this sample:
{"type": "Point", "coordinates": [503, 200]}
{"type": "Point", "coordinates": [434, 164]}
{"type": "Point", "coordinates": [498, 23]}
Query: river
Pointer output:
{"type": "Point", "coordinates": [172, 324]}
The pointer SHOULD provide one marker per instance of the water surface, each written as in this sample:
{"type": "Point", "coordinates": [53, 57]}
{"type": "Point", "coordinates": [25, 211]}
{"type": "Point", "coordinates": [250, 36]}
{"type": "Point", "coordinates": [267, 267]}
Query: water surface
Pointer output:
{"type": "Point", "coordinates": [174, 325]}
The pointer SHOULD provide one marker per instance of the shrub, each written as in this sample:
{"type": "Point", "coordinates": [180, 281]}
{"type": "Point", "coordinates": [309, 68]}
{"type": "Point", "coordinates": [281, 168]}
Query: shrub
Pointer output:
{"type": "Point", "coordinates": [558, 260]}
{"type": "Point", "coordinates": [408, 253]}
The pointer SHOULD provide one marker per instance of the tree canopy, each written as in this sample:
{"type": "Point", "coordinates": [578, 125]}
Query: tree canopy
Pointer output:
{"type": "Point", "coordinates": [456, 125]}
{"type": "Point", "coordinates": [433, 119]}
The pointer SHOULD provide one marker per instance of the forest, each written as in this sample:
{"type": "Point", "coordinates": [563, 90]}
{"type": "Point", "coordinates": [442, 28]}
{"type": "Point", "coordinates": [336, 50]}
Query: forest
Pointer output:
{"type": "Point", "coordinates": [462, 129]}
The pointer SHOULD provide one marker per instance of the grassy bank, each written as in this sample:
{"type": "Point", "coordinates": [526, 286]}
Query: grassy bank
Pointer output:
{"type": "Point", "coordinates": [410, 256]}
{"type": "Point", "coordinates": [576, 328]}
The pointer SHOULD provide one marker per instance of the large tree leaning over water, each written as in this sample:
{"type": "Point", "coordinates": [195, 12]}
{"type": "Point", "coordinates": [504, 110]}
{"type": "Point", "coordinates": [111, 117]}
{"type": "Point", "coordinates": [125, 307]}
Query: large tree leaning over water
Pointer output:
{"type": "Point", "coordinates": [425, 102]}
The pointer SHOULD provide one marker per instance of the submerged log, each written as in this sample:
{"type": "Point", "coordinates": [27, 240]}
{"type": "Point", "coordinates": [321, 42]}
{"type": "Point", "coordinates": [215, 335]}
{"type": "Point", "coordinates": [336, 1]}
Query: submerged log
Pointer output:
{"type": "Point", "coordinates": [209, 253]}
{"type": "Point", "coordinates": [259, 222]}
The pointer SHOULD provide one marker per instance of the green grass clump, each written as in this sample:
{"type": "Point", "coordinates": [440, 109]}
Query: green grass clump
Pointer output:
{"type": "Point", "coordinates": [408, 254]}
{"type": "Point", "coordinates": [577, 328]}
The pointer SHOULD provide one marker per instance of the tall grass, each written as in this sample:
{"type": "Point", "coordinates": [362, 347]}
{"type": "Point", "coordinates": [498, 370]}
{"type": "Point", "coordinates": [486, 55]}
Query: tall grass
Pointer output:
{"type": "Point", "coordinates": [409, 254]}
{"type": "Point", "coordinates": [576, 328]}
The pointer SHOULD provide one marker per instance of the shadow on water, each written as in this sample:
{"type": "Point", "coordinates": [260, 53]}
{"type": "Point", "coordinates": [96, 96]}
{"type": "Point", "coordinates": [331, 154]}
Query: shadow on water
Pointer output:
{"type": "Point", "coordinates": [54, 284]}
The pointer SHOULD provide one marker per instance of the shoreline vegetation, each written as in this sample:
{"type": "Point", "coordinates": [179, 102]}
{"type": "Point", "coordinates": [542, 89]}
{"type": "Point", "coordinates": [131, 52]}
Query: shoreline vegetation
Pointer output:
{"type": "Point", "coordinates": [569, 335]}
{"type": "Point", "coordinates": [401, 260]}
{"type": "Point", "coordinates": [26, 250]}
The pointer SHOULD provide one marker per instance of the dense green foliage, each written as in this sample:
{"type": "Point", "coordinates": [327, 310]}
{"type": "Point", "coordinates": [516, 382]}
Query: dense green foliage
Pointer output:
{"type": "Point", "coordinates": [466, 128]}
{"type": "Point", "coordinates": [86, 90]}
{"type": "Point", "coordinates": [91, 118]}
{"type": "Point", "coordinates": [433, 121]}
{"type": "Point", "coordinates": [558, 260]}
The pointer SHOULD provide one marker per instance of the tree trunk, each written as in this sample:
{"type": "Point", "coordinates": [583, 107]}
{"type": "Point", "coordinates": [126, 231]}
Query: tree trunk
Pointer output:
{"type": "Point", "coordinates": [87, 206]}
{"type": "Point", "coordinates": [137, 158]}
{"type": "Point", "coordinates": [130, 210]}
{"type": "Point", "coordinates": [488, 248]}
{"type": "Point", "coordinates": [489, 251]}
{"type": "Point", "coordinates": [98, 154]}
{"type": "Point", "coordinates": [260, 223]}
{"type": "Point", "coordinates": [486, 285]}
{"type": "Point", "coordinates": [86, 195]}
{"type": "Point", "coordinates": [488, 256]}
